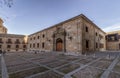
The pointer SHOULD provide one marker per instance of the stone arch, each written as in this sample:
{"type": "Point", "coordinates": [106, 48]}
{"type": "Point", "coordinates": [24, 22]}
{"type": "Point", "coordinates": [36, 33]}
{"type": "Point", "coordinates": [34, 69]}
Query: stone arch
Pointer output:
{"type": "Point", "coordinates": [59, 40]}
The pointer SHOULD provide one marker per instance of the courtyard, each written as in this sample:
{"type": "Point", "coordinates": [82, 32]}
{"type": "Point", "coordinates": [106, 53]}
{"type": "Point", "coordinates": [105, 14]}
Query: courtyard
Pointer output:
{"type": "Point", "coordinates": [59, 65]}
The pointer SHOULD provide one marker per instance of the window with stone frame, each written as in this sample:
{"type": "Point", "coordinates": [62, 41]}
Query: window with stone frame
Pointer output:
{"type": "Point", "coordinates": [96, 45]}
{"type": "Point", "coordinates": [9, 40]}
{"type": "Point", "coordinates": [24, 46]}
{"type": "Point", "coordinates": [17, 41]}
{"type": "Point", "coordinates": [8, 46]}
{"type": "Point", "coordinates": [101, 37]}
{"type": "Point", "coordinates": [101, 45]}
{"type": "Point", "coordinates": [30, 38]}
{"type": "Point", "coordinates": [96, 33]}
{"type": "Point", "coordinates": [1, 40]}
{"type": "Point", "coordinates": [86, 29]}
{"type": "Point", "coordinates": [0, 46]}
{"type": "Point", "coordinates": [37, 45]}
{"type": "Point", "coordinates": [87, 44]}
{"type": "Point", "coordinates": [16, 49]}
{"type": "Point", "coordinates": [43, 35]}
{"type": "Point", "coordinates": [23, 49]}
{"type": "Point", "coordinates": [119, 45]}
{"type": "Point", "coordinates": [30, 45]}
{"type": "Point", "coordinates": [17, 46]}
{"type": "Point", "coordinates": [34, 38]}
{"type": "Point", "coordinates": [34, 45]}
{"type": "Point", "coordinates": [43, 45]}
{"type": "Point", "coordinates": [38, 37]}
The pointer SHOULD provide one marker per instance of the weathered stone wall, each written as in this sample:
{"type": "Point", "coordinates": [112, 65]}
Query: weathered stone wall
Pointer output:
{"type": "Point", "coordinates": [74, 38]}
{"type": "Point", "coordinates": [4, 43]}
{"type": "Point", "coordinates": [113, 46]}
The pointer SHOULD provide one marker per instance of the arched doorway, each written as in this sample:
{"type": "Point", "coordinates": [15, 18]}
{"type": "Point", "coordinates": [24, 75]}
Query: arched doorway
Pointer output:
{"type": "Point", "coordinates": [59, 44]}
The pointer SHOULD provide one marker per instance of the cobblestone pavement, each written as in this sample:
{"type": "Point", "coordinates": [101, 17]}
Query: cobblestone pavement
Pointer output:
{"type": "Point", "coordinates": [59, 65]}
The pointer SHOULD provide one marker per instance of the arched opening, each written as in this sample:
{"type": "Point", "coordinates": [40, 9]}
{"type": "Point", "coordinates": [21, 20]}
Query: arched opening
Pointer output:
{"type": "Point", "coordinates": [59, 44]}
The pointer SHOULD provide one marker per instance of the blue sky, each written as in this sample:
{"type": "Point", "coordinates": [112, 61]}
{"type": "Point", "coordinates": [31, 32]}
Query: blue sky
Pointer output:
{"type": "Point", "coordinates": [29, 16]}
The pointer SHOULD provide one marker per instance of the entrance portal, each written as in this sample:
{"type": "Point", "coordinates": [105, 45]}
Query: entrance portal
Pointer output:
{"type": "Point", "coordinates": [59, 44]}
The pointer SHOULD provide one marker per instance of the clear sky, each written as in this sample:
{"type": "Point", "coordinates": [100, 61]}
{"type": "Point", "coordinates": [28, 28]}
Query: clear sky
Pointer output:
{"type": "Point", "coordinates": [29, 16]}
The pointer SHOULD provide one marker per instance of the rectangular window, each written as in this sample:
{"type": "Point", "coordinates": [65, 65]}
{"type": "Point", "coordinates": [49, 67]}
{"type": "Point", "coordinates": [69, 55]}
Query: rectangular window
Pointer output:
{"type": "Point", "coordinates": [101, 45]}
{"type": "Point", "coordinates": [43, 35]}
{"type": "Point", "coordinates": [33, 45]}
{"type": "Point", "coordinates": [17, 41]}
{"type": "Point", "coordinates": [17, 46]}
{"type": "Point", "coordinates": [119, 46]}
{"type": "Point", "coordinates": [16, 49]}
{"type": "Point", "coordinates": [86, 28]}
{"type": "Point", "coordinates": [96, 34]}
{"type": "Point", "coordinates": [30, 45]}
{"type": "Point", "coordinates": [34, 38]}
{"type": "Point", "coordinates": [8, 46]}
{"type": "Point", "coordinates": [24, 46]}
{"type": "Point", "coordinates": [9, 41]}
{"type": "Point", "coordinates": [0, 46]}
{"type": "Point", "coordinates": [38, 37]}
{"type": "Point", "coordinates": [96, 45]}
{"type": "Point", "coordinates": [43, 45]}
{"type": "Point", "coordinates": [1, 40]}
{"type": "Point", "coordinates": [37, 45]}
{"type": "Point", "coordinates": [87, 43]}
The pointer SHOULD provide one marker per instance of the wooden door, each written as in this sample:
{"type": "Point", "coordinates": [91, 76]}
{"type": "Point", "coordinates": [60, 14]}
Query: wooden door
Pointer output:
{"type": "Point", "coordinates": [59, 45]}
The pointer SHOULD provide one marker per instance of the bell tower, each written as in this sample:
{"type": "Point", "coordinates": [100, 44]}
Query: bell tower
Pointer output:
{"type": "Point", "coordinates": [3, 29]}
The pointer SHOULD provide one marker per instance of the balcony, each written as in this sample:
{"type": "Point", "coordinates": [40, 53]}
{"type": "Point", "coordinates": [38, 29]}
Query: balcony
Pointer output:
{"type": "Point", "coordinates": [23, 42]}
{"type": "Point", "coordinates": [1, 42]}
{"type": "Point", "coordinates": [17, 42]}
{"type": "Point", "coordinates": [9, 42]}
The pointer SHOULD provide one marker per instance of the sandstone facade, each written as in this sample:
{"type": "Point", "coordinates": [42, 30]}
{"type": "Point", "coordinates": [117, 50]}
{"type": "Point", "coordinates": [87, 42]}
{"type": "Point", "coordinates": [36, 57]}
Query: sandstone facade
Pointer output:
{"type": "Point", "coordinates": [3, 29]}
{"type": "Point", "coordinates": [11, 42]}
{"type": "Point", "coordinates": [113, 41]}
{"type": "Point", "coordinates": [78, 34]}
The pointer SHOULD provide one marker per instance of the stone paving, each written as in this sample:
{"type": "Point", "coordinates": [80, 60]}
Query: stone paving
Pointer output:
{"type": "Point", "coordinates": [59, 65]}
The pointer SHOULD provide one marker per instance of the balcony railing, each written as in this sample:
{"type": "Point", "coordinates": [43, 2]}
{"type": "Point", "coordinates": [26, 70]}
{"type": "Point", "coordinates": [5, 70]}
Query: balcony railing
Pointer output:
{"type": "Point", "coordinates": [17, 42]}
{"type": "Point", "coordinates": [1, 42]}
{"type": "Point", "coordinates": [23, 42]}
{"type": "Point", "coordinates": [9, 42]}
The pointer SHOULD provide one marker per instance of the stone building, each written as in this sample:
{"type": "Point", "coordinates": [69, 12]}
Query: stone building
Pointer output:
{"type": "Point", "coordinates": [3, 29]}
{"type": "Point", "coordinates": [11, 42]}
{"type": "Point", "coordinates": [78, 34]}
{"type": "Point", "coordinates": [113, 41]}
